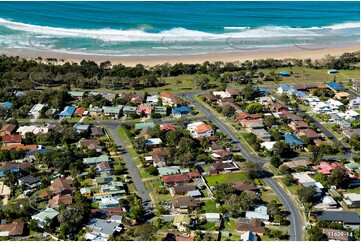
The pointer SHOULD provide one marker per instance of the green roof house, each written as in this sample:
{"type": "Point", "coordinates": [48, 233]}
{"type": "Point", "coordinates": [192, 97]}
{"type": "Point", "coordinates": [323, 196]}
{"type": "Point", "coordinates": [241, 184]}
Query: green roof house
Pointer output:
{"type": "Point", "coordinates": [96, 160]}
{"type": "Point", "coordinates": [160, 110]}
{"type": "Point", "coordinates": [143, 125]}
{"type": "Point", "coordinates": [45, 216]}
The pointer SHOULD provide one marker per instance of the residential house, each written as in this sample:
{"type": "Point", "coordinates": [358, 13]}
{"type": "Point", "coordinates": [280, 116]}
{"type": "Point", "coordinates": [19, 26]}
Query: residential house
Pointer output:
{"type": "Point", "coordinates": [334, 104]}
{"type": "Point", "coordinates": [293, 141]}
{"type": "Point", "coordinates": [80, 112]}
{"type": "Point", "coordinates": [195, 193]}
{"type": "Point", "coordinates": [356, 84]}
{"type": "Point", "coordinates": [249, 236]}
{"type": "Point", "coordinates": [168, 170]}
{"type": "Point", "coordinates": [137, 98]}
{"type": "Point", "coordinates": [143, 125]}
{"type": "Point", "coordinates": [104, 178]}
{"type": "Point", "coordinates": [169, 99]}
{"type": "Point", "coordinates": [44, 217]}
{"type": "Point", "coordinates": [67, 112]}
{"type": "Point", "coordinates": [222, 94]}
{"type": "Point", "coordinates": [166, 127]}
{"type": "Point", "coordinates": [109, 202]}
{"type": "Point", "coordinates": [18, 147]}
{"type": "Point", "coordinates": [310, 133]}
{"type": "Point", "coordinates": [114, 188]}
{"type": "Point", "coordinates": [35, 110]}
{"type": "Point", "coordinates": [22, 130]}
{"type": "Point", "coordinates": [182, 222]}
{"type": "Point", "coordinates": [90, 144]}
{"type": "Point", "coordinates": [277, 107]}
{"type": "Point", "coordinates": [268, 145]}
{"type": "Point", "coordinates": [335, 86]}
{"type": "Point", "coordinates": [101, 229]}
{"type": "Point", "coordinates": [144, 110]}
{"type": "Point", "coordinates": [76, 95]}
{"type": "Point", "coordinates": [351, 115]}
{"type": "Point", "coordinates": [12, 230]}
{"type": "Point", "coordinates": [152, 100]}
{"type": "Point", "coordinates": [347, 218]}
{"type": "Point", "coordinates": [283, 88]}
{"type": "Point", "coordinates": [352, 166]}
{"type": "Point", "coordinates": [5, 193]}
{"type": "Point", "coordinates": [200, 129]}
{"type": "Point", "coordinates": [6, 105]}
{"type": "Point", "coordinates": [7, 129]}
{"type": "Point", "coordinates": [334, 117]}
{"type": "Point", "coordinates": [262, 134]}
{"type": "Point", "coordinates": [341, 95]}
{"type": "Point", "coordinates": [181, 190]}
{"type": "Point", "coordinates": [329, 202]}
{"type": "Point", "coordinates": [225, 101]}
{"type": "Point", "coordinates": [233, 92]}
{"type": "Point", "coordinates": [146, 132]}
{"type": "Point", "coordinates": [81, 128]}
{"type": "Point", "coordinates": [317, 185]}
{"type": "Point", "coordinates": [97, 131]}
{"type": "Point", "coordinates": [158, 156]}
{"type": "Point", "coordinates": [322, 107]}
{"type": "Point", "coordinates": [153, 142]}
{"type": "Point", "coordinates": [352, 200]}
{"type": "Point", "coordinates": [247, 116]}
{"type": "Point", "coordinates": [349, 132]}
{"type": "Point", "coordinates": [336, 235]}
{"type": "Point", "coordinates": [222, 155]}
{"type": "Point", "coordinates": [298, 125]}
{"type": "Point", "coordinates": [58, 200]}
{"type": "Point", "coordinates": [175, 180]}
{"type": "Point", "coordinates": [194, 175]}
{"type": "Point", "coordinates": [13, 167]}
{"type": "Point", "coordinates": [116, 218]}
{"type": "Point", "coordinates": [12, 139]}
{"type": "Point", "coordinates": [289, 116]}
{"type": "Point", "coordinates": [213, 217]}
{"type": "Point", "coordinates": [95, 111]}
{"type": "Point", "coordinates": [300, 87]}
{"type": "Point", "coordinates": [184, 203]}
{"type": "Point", "coordinates": [160, 110]}
{"type": "Point", "coordinates": [103, 167]}
{"type": "Point", "coordinates": [86, 192]}
{"type": "Point", "coordinates": [62, 186]}
{"type": "Point", "coordinates": [265, 100]}
{"type": "Point", "coordinates": [91, 161]}
{"type": "Point", "coordinates": [297, 163]}
{"type": "Point", "coordinates": [220, 167]}
{"type": "Point", "coordinates": [254, 225]}
{"type": "Point", "coordinates": [30, 182]}
{"type": "Point", "coordinates": [293, 92]}
{"type": "Point", "coordinates": [111, 111]}
{"type": "Point", "coordinates": [247, 123]}
{"type": "Point", "coordinates": [244, 186]}
{"type": "Point", "coordinates": [259, 212]}
{"type": "Point", "coordinates": [210, 97]}
{"type": "Point", "coordinates": [354, 103]}
{"type": "Point", "coordinates": [326, 168]}
{"type": "Point", "coordinates": [129, 109]}
{"type": "Point", "coordinates": [181, 111]}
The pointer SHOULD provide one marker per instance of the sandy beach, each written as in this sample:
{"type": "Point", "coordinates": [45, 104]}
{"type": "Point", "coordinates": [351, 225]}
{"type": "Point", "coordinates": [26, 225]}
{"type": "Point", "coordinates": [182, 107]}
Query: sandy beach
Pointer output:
{"type": "Point", "coordinates": [239, 55]}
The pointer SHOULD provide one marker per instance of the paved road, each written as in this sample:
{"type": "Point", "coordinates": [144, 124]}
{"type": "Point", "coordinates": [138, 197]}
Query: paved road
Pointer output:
{"type": "Point", "coordinates": [133, 171]}
{"type": "Point", "coordinates": [290, 206]}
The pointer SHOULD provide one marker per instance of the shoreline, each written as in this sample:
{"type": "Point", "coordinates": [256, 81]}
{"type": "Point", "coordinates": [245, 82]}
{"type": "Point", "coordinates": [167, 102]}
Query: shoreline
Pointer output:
{"type": "Point", "coordinates": [276, 53]}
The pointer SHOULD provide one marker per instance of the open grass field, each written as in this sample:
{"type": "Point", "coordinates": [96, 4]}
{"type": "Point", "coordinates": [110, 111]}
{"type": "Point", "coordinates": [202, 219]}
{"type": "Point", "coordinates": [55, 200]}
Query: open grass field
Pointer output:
{"type": "Point", "coordinates": [268, 195]}
{"type": "Point", "coordinates": [226, 178]}
{"type": "Point", "coordinates": [210, 207]}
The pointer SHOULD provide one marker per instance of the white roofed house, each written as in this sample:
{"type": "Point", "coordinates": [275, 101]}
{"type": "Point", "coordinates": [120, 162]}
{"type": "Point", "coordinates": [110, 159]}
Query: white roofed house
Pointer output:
{"type": "Point", "coordinates": [152, 100]}
{"type": "Point", "coordinates": [35, 110]}
{"type": "Point", "coordinates": [200, 129]}
{"type": "Point", "coordinates": [351, 115]}
{"type": "Point", "coordinates": [352, 200]}
{"type": "Point", "coordinates": [334, 104]}
{"type": "Point", "coordinates": [259, 212]}
{"type": "Point", "coordinates": [329, 202]}
{"type": "Point", "coordinates": [44, 217]}
{"type": "Point", "coordinates": [22, 130]}
{"type": "Point", "coordinates": [153, 142]}
{"type": "Point", "coordinates": [354, 103]}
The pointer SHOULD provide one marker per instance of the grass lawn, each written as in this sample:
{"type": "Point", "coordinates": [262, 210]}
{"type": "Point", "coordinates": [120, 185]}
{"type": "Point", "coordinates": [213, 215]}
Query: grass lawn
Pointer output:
{"type": "Point", "coordinates": [87, 183]}
{"type": "Point", "coordinates": [38, 192]}
{"type": "Point", "coordinates": [152, 184]}
{"type": "Point", "coordinates": [269, 195]}
{"type": "Point", "coordinates": [143, 173]}
{"type": "Point", "coordinates": [131, 188]}
{"type": "Point", "coordinates": [230, 225]}
{"type": "Point", "coordinates": [349, 73]}
{"type": "Point", "coordinates": [273, 169]}
{"type": "Point", "coordinates": [209, 226]}
{"type": "Point", "coordinates": [329, 126]}
{"type": "Point", "coordinates": [292, 189]}
{"type": "Point", "coordinates": [226, 178]}
{"type": "Point", "coordinates": [210, 207]}
{"type": "Point", "coordinates": [160, 197]}
{"type": "Point", "coordinates": [354, 190]}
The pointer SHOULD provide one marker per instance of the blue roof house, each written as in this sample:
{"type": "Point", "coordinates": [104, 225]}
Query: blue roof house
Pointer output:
{"type": "Point", "coordinates": [68, 111]}
{"type": "Point", "coordinates": [335, 86]}
{"type": "Point", "coordinates": [283, 88]}
{"type": "Point", "coordinates": [179, 111]}
{"type": "Point", "coordinates": [293, 141]}
{"type": "Point", "coordinates": [295, 92]}
{"type": "Point", "coordinates": [6, 105]}
{"type": "Point", "coordinates": [284, 73]}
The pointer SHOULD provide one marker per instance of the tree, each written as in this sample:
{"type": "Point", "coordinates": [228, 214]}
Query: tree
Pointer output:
{"type": "Point", "coordinates": [270, 120]}
{"type": "Point", "coordinates": [306, 140]}
{"type": "Point", "coordinates": [306, 194]}
{"type": "Point", "coordinates": [228, 110]}
{"type": "Point", "coordinates": [288, 180]}
{"type": "Point", "coordinates": [273, 208]}
{"type": "Point", "coordinates": [29, 138]}
{"type": "Point", "coordinates": [146, 232]}
{"type": "Point", "coordinates": [276, 161]}
{"type": "Point", "coordinates": [248, 200]}
{"type": "Point", "coordinates": [339, 178]}
{"type": "Point", "coordinates": [254, 108]}
{"type": "Point", "coordinates": [355, 142]}
{"type": "Point", "coordinates": [250, 93]}
{"type": "Point", "coordinates": [152, 170]}
{"type": "Point", "coordinates": [280, 148]}
{"type": "Point", "coordinates": [316, 234]}
{"type": "Point", "coordinates": [319, 177]}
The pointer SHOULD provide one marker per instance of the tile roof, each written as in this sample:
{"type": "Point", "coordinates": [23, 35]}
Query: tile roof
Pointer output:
{"type": "Point", "coordinates": [14, 229]}
{"type": "Point", "coordinates": [8, 127]}
{"type": "Point", "coordinates": [202, 128]}
{"type": "Point", "coordinates": [60, 200]}
{"type": "Point", "coordinates": [12, 139]}
{"type": "Point", "coordinates": [18, 147]}
{"type": "Point", "coordinates": [61, 184]}
{"type": "Point", "coordinates": [176, 178]}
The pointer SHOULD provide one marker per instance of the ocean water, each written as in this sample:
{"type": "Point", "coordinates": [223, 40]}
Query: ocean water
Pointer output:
{"type": "Point", "coordinates": [176, 28]}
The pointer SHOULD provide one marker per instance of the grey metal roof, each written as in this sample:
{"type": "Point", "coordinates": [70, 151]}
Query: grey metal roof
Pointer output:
{"type": "Point", "coordinates": [343, 216]}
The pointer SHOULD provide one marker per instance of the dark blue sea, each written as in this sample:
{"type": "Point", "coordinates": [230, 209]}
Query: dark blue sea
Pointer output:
{"type": "Point", "coordinates": [180, 28]}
